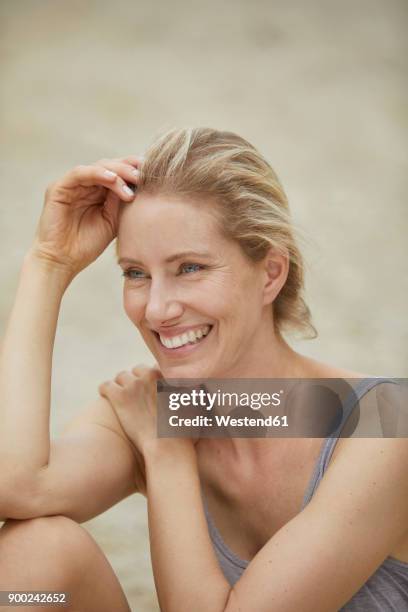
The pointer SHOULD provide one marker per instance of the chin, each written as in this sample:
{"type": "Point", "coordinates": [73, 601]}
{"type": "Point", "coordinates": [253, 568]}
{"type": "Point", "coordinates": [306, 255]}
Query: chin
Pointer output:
{"type": "Point", "coordinates": [186, 371]}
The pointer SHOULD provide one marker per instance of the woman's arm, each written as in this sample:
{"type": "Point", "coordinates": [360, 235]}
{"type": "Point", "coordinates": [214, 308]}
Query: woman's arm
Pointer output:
{"type": "Point", "coordinates": [25, 368]}
{"type": "Point", "coordinates": [89, 468]}
{"type": "Point", "coordinates": [78, 221]}
{"type": "Point", "coordinates": [314, 563]}
{"type": "Point", "coordinates": [92, 467]}
{"type": "Point", "coordinates": [186, 571]}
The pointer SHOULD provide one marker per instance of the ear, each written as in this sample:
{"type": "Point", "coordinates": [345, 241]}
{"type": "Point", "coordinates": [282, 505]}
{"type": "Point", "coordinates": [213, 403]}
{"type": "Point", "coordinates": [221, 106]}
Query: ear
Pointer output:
{"type": "Point", "coordinates": [275, 267]}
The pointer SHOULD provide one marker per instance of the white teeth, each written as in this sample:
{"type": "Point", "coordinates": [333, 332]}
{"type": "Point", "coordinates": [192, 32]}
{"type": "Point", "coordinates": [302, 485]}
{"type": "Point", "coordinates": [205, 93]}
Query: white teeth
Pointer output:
{"type": "Point", "coordinates": [177, 341]}
{"type": "Point", "coordinates": [191, 336]}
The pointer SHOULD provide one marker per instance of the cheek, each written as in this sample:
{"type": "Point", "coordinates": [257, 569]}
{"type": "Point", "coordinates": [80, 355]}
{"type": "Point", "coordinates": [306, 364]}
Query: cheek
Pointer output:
{"type": "Point", "coordinates": [211, 299]}
{"type": "Point", "coordinates": [133, 305]}
{"type": "Point", "coordinates": [220, 290]}
{"type": "Point", "coordinates": [242, 307]}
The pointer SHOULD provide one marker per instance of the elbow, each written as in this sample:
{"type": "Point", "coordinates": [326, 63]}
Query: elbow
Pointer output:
{"type": "Point", "coordinates": [13, 507]}
{"type": "Point", "coordinates": [17, 497]}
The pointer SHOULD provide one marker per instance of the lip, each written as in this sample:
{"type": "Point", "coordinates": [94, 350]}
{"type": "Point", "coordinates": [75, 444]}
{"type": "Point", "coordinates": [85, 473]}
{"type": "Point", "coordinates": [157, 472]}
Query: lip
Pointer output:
{"type": "Point", "coordinates": [181, 350]}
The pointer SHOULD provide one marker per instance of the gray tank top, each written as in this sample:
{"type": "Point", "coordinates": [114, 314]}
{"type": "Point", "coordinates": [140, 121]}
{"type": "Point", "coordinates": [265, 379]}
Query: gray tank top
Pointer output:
{"type": "Point", "coordinates": [385, 591]}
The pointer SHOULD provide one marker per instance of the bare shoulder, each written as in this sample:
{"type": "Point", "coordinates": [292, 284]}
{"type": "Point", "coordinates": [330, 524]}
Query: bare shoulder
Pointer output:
{"type": "Point", "coordinates": [319, 369]}
{"type": "Point", "coordinates": [374, 467]}
{"type": "Point", "coordinates": [99, 412]}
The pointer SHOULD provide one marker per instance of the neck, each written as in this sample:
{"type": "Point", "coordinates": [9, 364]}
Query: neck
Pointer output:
{"type": "Point", "coordinates": [268, 356]}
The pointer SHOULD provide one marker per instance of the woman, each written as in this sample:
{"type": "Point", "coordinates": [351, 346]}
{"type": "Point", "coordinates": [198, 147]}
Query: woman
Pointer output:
{"type": "Point", "coordinates": [207, 249]}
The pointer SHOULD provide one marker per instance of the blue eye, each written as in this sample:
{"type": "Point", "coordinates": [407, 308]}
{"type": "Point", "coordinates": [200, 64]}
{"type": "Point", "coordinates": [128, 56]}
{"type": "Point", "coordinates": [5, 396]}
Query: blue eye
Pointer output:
{"type": "Point", "coordinates": [129, 273]}
{"type": "Point", "coordinates": [136, 274]}
{"type": "Point", "coordinates": [196, 267]}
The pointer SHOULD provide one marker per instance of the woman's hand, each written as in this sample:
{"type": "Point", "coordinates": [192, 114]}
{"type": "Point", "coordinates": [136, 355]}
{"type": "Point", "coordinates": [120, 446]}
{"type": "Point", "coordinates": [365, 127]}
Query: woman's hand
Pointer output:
{"type": "Point", "coordinates": [80, 214]}
{"type": "Point", "coordinates": [133, 396]}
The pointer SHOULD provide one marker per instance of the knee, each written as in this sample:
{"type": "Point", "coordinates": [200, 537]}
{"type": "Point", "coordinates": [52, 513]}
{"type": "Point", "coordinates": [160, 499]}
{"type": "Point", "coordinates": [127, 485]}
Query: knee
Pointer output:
{"type": "Point", "coordinates": [43, 528]}
{"type": "Point", "coordinates": [46, 537]}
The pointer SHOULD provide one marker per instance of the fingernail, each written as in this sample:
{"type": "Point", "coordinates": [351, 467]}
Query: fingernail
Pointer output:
{"type": "Point", "coordinates": [136, 172]}
{"type": "Point", "coordinates": [110, 173]}
{"type": "Point", "coordinates": [128, 190]}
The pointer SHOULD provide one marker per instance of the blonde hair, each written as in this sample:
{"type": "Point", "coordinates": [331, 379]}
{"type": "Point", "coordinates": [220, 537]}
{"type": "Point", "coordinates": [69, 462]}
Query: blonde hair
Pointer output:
{"type": "Point", "coordinates": [251, 203]}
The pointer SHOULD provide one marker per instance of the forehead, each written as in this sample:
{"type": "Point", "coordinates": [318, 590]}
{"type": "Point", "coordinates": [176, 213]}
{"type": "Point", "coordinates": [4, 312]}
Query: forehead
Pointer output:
{"type": "Point", "coordinates": [161, 220]}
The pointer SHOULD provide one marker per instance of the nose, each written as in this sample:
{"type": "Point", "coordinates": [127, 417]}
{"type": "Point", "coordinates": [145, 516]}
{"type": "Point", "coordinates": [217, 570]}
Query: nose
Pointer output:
{"type": "Point", "coordinates": [162, 304]}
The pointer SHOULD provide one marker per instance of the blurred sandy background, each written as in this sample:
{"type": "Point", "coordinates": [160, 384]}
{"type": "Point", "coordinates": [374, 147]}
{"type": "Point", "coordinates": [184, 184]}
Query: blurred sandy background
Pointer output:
{"type": "Point", "coordinates": [319, 87]}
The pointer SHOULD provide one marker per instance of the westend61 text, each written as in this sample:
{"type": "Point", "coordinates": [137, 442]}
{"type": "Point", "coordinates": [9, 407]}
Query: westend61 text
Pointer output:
{"type": "Point", "coordinates": [228, 421]}
{"type": "Point", "coordinates": [204, 399]}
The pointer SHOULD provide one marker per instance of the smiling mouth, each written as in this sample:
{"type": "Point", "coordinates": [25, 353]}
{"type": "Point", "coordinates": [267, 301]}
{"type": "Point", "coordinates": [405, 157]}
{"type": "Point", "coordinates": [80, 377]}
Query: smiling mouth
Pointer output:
{"type": "Point", "coordinates": [187, 339]}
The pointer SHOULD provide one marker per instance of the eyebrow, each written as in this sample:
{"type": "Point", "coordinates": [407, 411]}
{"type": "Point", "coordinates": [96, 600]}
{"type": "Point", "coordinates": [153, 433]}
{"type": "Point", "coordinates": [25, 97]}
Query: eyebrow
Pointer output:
{"type": "Point", "coordinates": [170, 259]}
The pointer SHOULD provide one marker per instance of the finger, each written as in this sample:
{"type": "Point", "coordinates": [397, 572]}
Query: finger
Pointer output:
{"type": "Point", "coordinates": [101, 389]}
{"type": "Point", "coordinates": [126, 171]}
{"type": "Point", "coordinates": [87, 176]}
{"type": "Point", "coordinates": [153, 375]}
{"type": "Point", "coordinates": [149, 373]}
{"type": "Point", "coordinates": [111, 209]}
{"type": "Point", "coordinates": [124, 378]}
{"type": "Point", "coordinates": [134, 160]}
{"type": "Point", "coordinates": [157, 369]}
{"type": "Point", "coordinates": [109, 389]}
{"type": "Point", "coordinates": [139, 369]}
{"type": "Point", "coordinates": [156, 373]}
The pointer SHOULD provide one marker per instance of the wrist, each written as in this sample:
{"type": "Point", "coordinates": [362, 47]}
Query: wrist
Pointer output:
{"type": "Point", "coordinates": [168, 450]}
{"type": "Point", "coordinates": [62, 273]}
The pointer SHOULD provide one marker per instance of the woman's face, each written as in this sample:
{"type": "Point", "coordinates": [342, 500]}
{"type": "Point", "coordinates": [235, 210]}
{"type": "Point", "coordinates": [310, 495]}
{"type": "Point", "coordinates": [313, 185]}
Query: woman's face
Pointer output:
{"type": "Point", "coordinates": [184, 280]}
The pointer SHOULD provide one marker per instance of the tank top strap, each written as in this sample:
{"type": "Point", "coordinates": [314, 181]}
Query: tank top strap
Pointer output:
{"type": "Point", "coordinates": [362, 387]}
